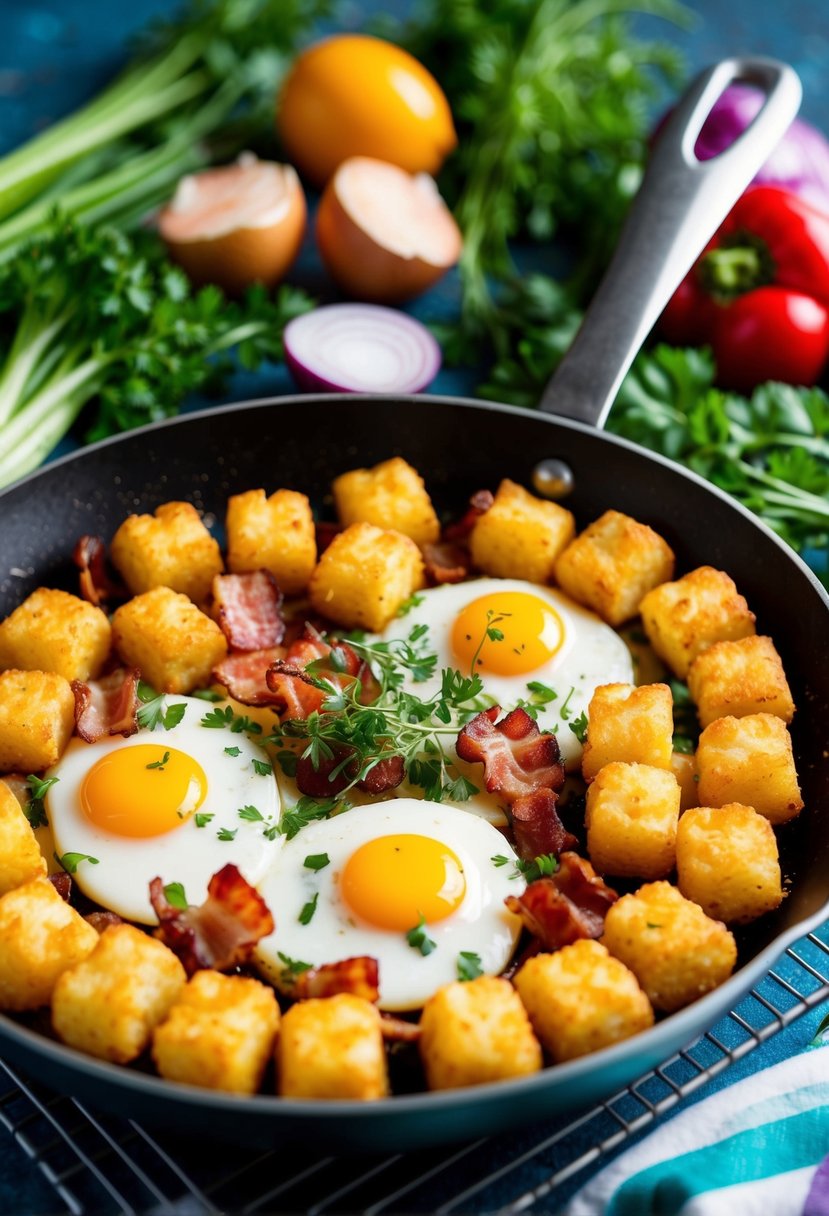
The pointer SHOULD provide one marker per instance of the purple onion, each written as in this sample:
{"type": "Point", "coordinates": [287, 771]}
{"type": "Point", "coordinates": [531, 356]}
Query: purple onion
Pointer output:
{"type": "Point", "coordinates": [800, 162]}
{"type": "Point", "coordinates": [357, 348]}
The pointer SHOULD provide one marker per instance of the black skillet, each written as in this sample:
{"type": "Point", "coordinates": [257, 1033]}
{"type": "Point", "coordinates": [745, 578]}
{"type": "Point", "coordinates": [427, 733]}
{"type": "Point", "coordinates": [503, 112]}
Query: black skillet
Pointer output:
{"type": "Point", "coordinates": [460, 446]}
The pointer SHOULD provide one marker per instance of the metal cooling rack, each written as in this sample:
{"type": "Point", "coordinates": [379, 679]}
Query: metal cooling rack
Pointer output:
{"type": "Point", "coordinates": [101, 1164]}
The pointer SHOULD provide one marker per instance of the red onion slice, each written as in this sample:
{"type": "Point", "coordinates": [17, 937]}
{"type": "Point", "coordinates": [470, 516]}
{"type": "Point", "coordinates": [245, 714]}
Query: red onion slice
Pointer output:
{"type": "Point", "coordinates": [356, 348]}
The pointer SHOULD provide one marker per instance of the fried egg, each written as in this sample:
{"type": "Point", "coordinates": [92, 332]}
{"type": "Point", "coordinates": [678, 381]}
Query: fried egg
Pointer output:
{"type": "Point", "coordinates": [412, 884]}
{"type": "Point", "coordinates": [526, 642]}
{"type": "Point", "coordinates": [162, 803]}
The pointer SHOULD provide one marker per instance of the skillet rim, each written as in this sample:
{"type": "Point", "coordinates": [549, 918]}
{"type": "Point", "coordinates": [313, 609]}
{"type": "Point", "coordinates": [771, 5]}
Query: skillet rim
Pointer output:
{"type": "Point", "coordinates": [274, 1107]}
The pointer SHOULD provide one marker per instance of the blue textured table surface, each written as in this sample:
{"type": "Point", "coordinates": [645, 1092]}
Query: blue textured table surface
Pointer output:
{"type": "Point", "coordinates": [55, 55]}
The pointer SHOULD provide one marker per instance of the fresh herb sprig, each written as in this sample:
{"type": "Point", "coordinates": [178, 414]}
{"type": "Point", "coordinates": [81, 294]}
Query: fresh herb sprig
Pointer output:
{"type": "Point", "coordinates": [398, 722]}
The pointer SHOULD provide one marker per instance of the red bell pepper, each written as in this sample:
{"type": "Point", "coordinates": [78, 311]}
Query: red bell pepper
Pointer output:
{"type": "Point", "coordinates": [759, 294]}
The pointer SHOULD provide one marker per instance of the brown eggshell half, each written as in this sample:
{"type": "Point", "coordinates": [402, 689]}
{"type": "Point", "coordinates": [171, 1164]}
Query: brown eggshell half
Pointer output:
{"type": "Point", "coordinates": [236, 225]}
{"type": "Point", "coordinates": [385, 235]}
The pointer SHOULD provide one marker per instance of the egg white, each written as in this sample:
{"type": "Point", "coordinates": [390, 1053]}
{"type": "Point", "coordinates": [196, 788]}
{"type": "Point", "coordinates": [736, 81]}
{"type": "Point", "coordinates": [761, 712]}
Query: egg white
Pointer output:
{"type": "Point", "coordinates": [188, 854]}
{"type": "Point", "coordinates": [481, 924]}
{"type": "Point", "coordinates": [591, 654]}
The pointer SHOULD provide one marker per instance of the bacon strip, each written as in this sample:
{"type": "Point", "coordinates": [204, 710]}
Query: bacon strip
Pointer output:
{"type": "Point", "coordinates": [108, 706]}
{"type": "Point", "coordinates": [244, 675]}
{"type": "Point", "coordinates": [517, 758]}
{"type": "Point", "coordinates": [386, 775]}
{"type": "Point", "coordinates": [358, 976]}
{"type": "Point", "coordinates": [100, 921]}
{"type": "Point", "coordinates": [398, 1030]}
{"type": "Point", "coordinates": [62, 884]}
{"type": "Point", "coordinates": [536, 826]}
{"type": "Point", "coordinates": [479, 504]}
{"type": "Point", "coordinates": [96, 586]}
{"type": "Point", "coordinates": [249, 609]}
{"type": "Point", "coordinates": [293, 693]}
{"type": "Point", "coordinates": [446, 562]}
{"type": "Point", "coordinates": [570, 905]}
{"type": "Point", "coordinates": [221, 932]}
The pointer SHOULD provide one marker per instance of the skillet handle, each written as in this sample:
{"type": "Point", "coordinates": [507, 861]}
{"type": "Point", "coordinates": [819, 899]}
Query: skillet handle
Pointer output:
{"type": "Point", "coordinates": [681, 203]}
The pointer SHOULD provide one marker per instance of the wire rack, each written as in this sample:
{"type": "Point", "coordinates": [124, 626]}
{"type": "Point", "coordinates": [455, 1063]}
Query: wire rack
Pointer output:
{"type": "Point", "coordinates": [101, 1164]}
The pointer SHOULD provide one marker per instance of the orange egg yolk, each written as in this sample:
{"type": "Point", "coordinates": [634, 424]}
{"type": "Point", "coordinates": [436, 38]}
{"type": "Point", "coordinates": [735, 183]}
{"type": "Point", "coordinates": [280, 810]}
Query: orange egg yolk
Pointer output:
{"type": "Point", "coordinates": [392, 881]}
{"type": "Point", "coordinates": [508, 633]}
{"type": "Point", "coordinates": [145, 790]}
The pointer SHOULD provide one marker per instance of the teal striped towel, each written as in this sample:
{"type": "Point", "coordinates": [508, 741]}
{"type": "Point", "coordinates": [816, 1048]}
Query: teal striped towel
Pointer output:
{"type": "Point", "coordinates": [758, 1148]}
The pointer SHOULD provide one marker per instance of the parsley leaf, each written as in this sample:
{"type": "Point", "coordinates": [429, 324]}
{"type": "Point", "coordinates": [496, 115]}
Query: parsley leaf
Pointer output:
{"type": "Point", "coordinates": [307, 809]}
{"type": "Point", "coordinates": [227, 833]}
{"type": "Point", "coordinates": [308, 910]}
{"type": "Point", "coordinates": [71, 861]}
{"type": "Point", "coordinates": [412, 602]}
{"type": "Point", "coordinates": [469, 966]}
{"type": "Point", "coordinates": [251, 813]}
{"type": "Point", "coordinates": [499, 859]}
{"type": "Point", "coordinates": [418, 939]}
{"type": "Point", "coordinates": [153, 711]}
{"type": "Point", "coordinates": [206, 694]}
{"type": "Point", "coordinates": [34, 810]}
{"type": "Point", "coordinates": [202, 818]}
{"type": "Point", "coordinates": [233, 751]}
{"type": "Point", "coordinates": [174, 894]}
{"type": "Point", "coordinates": [159, 764]}
{"type": "Point", "coordinates": [579, 726]}
{"type": "Point", "coordinates": [262, 768]}
{"type": "Point", "coordinates": [540, 867]}
{"type": "Point", "coordinates": [317, 861]}
{"type": "Point", "coordinates": [292, 967]}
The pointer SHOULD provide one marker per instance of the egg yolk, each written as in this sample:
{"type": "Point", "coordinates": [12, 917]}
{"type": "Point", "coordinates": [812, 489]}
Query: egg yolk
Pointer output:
{"type": "Point", "coordinates": [508, 633]}
{"type": "Point", "coordinates": [145, 790]}
{"type": "Point", "coordinates": [394, 880]}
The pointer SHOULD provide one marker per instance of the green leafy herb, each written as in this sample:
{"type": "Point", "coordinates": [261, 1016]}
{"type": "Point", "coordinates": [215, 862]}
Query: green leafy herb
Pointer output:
{"type": "Point", "coordinates": [262, 768]}
{"type": "Point", "coordinates": [540, 867]}
{"type": "Point", "coordinates": [308, 910]}
{"type": "Point", "coordinates": [221, 719]}
{"type": "Point", "coordinates": [317, 861]}
{"type": "Point", "coordinates": [251, 813]}
{"type": "Point", "coordinates": [207, 694]}
{"type": "Point", "coordinates": [565, 710]}
{"type": "Point", "coordinates": [287, 761]}
{"type": "Point", "coordinates": [202, 818]}
{"type": "Point", "coordinates": [407, 605]}
{"type": "Point", "coordinates": [306, 810]}
{"type": "Point", "coordinates": [291, 968]}
{"type": "Point", "coordinates": [491, 634]}
{"type": "Point", "coordinates": [174, 894]}
{"type": "Point", "coordinates": [469, 966]}
{"type": "Point", "coordinates": [579, 726]}
{"type": "Point", "coordinates": [159, 764]}
{"type": "Point", "coordinates": [227, 833]}
{"type": "Point", "coordinates": [71, 861]}
{"type": "Point", "coordinates": [34, 810]}
{"type": "Point", "coordinates": [418, 939]}
{"type": "Point", "coordinates": [499, 859]}
{"type": "Point", "coordinates": [232, 751]}
{"type": "Point", "coordinates": [153, 711]}
{"type": "Point", "coordinates": [541, 694]}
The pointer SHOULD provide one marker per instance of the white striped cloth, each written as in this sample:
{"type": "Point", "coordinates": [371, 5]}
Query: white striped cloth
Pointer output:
{"type": "Point", "coordinates": [758, 1148]}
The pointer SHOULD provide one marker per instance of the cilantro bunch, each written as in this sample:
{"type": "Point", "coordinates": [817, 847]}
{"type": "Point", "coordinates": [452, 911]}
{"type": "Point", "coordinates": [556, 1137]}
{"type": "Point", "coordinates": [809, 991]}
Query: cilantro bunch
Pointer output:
{"type": "Point", "coordinates": [92, 314]}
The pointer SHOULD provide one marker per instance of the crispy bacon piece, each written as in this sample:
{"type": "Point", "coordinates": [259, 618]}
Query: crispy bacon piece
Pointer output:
{"type": "Point", "coordinates": [570, 905]}
{"type": "Point", "coordinates": [62, 884]}
{"type": "Point", "coordinates": [108, 706]}
{"type": "Point", "coordinates": [293, 693]}
{"type": "Point", "coordinates": [317, 782]}
{"type": "Point", "coordinates": [249, 609]}
{"type": "Point", "coordinates": [102, 920]}
{"type": "Point", "coordinates": [358, 976]}
{"type": "Point", "coordinates": [96, 586]}
{"type": "Point", "coordinates": [446, 562]}
{"type": "Point", "coordinates": [479, 504]}
{"type": "Point", "coordinates": [221, 932]}
{"type": "Point", "coordinates": [244, 675]}
{"type": "Point", "coordinates": [536, 826]}
{"type": "Point", "coordinates": [517, 758]}
{"type": "Point", "coordinates": [398, 1030]}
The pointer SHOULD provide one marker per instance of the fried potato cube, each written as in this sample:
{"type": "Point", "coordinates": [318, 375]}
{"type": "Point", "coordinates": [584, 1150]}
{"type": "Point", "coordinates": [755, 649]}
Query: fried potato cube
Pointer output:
{"type": "Point", "coordinates": [332, 1048]}
{"type": "Point", "coordinates": [726, 861]}
{"type": "Point", "coordinates": [749, 760]}
{"type": "Point", "coordinates": [219, 1034]}
{"type": "Point", "coordinates": [520, 536]}
{"type": "Point", "coordinates": [683, 767]}
{"type": "Point", "coordinates": [684, 618]}
{"type": "Point", "coordinates": [109, 1004]}
{"type": "Point", "coordinates": [172, 643]}
{"type": "Point", "coordinates": [612, 564]}
{"type": "Point", "coordinates": [476, 1032]}
{"type": "Point", "coordinates": [675, 951]}
{"type": "Point", "coordinates": [391, 495]}
{"type": "Point", "coordinates": [21, 860]}
{"type": "Point", "coordinates": [40, 936]}
{"type": "Point", "coordinates": [275, 534]}
{"type": "Point", "coordinates": [581, 999]}
{"type": "Point", "coordinates": [632, 813]}
{"type": "Point", "coordinates": [58, 632]}
{"type": "Point", "coordinates": [172, 549]}
{"type": "Point", "coordinates": [364, 576]}
{"type": "Point", "coordinates": [37, 717]}
{"type": "Point", "coordinates": [739, 678]}
{"type": "Point", "coordinates": [634, 725]}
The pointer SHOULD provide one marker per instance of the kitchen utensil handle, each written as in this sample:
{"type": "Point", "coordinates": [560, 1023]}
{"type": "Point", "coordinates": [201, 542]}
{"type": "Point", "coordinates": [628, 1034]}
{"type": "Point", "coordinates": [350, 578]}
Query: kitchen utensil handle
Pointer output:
{"type": "Point", "coordinates": [680, 205]}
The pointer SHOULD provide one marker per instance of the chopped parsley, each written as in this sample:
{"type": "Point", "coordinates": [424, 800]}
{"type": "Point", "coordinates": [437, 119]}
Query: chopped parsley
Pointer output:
{"type": "Point", "coordinates": [153, 710]}
{"type": "Point", "coordinates": [252, 814]}
{"type": "Point", "coordinates": [418, 939]}
{"type": "Point", "coordinates": [308, 910]}
{"type": "Point", "coordinates": [219, 719]}
{"type": "Point", "coordinates": [34, 810]}
{"type": "Point", "coordinates": [262, 768]}
{"type": "Point", "coordinates": [292, 967]}
{"type": "Point", "coordinates": [70, 861]}
{"type": "Point", "coordinates": [307, 809]}
{"type": "Point", "coordinates": [499, 859]}
{"type": "Point", "coordinates": [317, 861]}
{"type": "Point", "coordinates": [207, 694]}
{"type": "Point", "coordinates": [579, 727]}
{"type": "Point", "coordinates": [469, 966]}
{"type": "Point", "coordinates": [159, 764]}
{"type": "Point", "coordinates": [565, 711]}
{"type": "Point", "coordinates": [540, 867]}
{"type": "Point", "coordinates": [233, 751]}
{"type": "Point", "coordinates": [202, 818]}
{"type": "Point", "coordinates": [412, 602]}
{"type": "Point", "coordinates": [287, 761]}
{"type": "Point", "coordinates": [227, 833]}
{"type": "Point", "coordinates": [541, 694]}
{"type": "Point", "coordinates": [174, 894]}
